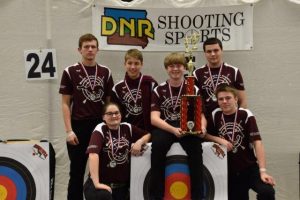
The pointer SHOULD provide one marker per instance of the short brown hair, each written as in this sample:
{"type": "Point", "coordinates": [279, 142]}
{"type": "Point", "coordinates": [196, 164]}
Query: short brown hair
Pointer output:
{"type": "Point", "coordinates": [134, 53]}
{"type": "Point", "coordinates": [211, 41]}
{"type": "Point", "coordinates": [175, 58]}
{"type": "Point", "coordinates": [226, 88]}
{"type": "Point", "coordinates": [87, 37]}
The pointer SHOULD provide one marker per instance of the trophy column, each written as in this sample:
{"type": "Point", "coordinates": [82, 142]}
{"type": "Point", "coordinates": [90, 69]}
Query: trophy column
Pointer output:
{"type": "Point", "coordinates": [191, 104]}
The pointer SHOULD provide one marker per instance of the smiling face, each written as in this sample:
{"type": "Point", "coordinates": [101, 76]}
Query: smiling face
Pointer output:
{"type": "Point", "coordinates": [175, 64]}
{"type": "Point", "coordinates": [176, 71]}
{"type": "Point", "coordinates": [227, 102]}
{"type": "Point", "coordinates": [133, 67]}
{"type": "Point", "coordinates": [112, 116]}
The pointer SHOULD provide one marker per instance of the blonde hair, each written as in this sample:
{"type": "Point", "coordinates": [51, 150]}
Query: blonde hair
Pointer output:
{"type": "Point", "coordinates": [175, 58]}
{"type": "Point", "coordinates": [134, 53]}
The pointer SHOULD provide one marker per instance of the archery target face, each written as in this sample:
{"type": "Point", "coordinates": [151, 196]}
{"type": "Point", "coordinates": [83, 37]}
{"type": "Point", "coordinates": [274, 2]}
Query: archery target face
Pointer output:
{"type": "Point", "coordinates": [23, 174]}
{"type": "Point", "coordinates": [177, 179]}
{"type": "Point", "coordinates": [15, 180]}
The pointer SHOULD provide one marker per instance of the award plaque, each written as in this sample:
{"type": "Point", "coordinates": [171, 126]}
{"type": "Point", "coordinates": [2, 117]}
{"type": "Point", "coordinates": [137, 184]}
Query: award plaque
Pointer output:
{"type": "Point", "coordinates": [191, 104]}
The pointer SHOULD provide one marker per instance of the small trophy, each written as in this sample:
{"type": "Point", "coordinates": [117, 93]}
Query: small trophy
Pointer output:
{"type": "Point", "coordinates": [191, 104]}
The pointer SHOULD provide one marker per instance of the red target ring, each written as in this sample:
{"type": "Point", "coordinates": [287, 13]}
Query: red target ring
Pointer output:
{"type": "Point", "coordinates": [16, 181]}
{"type": "Point", "coordinates": [8, 189]}
{"type": "Point", "coordinates": [177, 177]}
{"type": "Point", "coordinates": [177, 186]}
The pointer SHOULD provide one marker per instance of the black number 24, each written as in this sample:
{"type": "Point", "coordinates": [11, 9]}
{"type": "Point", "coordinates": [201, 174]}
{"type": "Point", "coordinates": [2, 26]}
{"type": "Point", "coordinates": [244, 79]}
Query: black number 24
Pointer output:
{"type": "Point", "coordinates": [47, 66]}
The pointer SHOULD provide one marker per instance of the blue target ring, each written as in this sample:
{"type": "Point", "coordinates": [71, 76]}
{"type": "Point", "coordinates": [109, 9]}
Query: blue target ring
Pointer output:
{"type": "Point", "coordinates": [177, 181]}
{"type": "Point", "coordinates": [176, 168]}
{"type": "Point", "coordinates": [16, 178]}
{"type": "Point", "coordinates": [20, 176]}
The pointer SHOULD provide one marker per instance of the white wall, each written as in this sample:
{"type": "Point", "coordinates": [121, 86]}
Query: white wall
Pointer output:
{"type": "Point", "coordinates": [31, 109]}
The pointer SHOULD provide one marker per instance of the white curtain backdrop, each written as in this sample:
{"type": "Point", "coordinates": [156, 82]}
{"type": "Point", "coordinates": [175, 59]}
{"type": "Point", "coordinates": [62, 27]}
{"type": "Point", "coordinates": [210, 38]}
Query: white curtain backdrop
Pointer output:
{"type": "Point", "coordinates": [32, 109]}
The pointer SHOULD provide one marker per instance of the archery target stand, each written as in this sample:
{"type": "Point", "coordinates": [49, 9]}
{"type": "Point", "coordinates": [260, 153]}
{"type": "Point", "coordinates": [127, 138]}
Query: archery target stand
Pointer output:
{"type": "Point", "coordinates": [27, 170]}
{"type": "Point", "coordinates": [177, 179]}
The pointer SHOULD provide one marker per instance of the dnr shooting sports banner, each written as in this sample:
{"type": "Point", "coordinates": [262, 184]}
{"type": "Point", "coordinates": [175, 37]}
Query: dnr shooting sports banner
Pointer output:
{"type": "Point", "coordinates": [164, 29]}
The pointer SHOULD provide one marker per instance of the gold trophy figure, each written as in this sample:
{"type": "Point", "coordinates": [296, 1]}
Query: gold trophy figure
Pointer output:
{"type": "Point", "coordinates": [191, 104]}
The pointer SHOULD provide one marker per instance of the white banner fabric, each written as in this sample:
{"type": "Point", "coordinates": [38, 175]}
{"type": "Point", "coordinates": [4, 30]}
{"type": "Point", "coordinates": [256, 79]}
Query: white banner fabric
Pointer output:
{"type": "Point", "coordinates": [163, 29]}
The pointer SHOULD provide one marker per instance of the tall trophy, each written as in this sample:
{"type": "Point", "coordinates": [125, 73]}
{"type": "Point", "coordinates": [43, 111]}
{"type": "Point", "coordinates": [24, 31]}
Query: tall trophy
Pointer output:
{"type": "Point", "coordinates": [191, 104]}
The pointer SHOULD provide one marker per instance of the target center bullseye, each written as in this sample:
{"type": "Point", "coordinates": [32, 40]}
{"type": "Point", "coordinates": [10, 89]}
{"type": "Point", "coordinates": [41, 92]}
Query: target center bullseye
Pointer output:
{"type": "Point", "coordinates": [3, 192]}
{"type": "Point", "coordinates": [178, 190]}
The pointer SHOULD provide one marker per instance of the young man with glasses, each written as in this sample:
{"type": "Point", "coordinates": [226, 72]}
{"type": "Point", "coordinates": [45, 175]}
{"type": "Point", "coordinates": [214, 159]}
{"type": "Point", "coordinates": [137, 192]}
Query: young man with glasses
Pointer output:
{"type": "Point", "coordinates": [85, 87]}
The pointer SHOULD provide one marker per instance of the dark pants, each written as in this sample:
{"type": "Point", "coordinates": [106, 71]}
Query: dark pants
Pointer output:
{"type": "Point", "coordinates": [78, 158]}
{"type": "Point", "coordinates": [118, 193]}
{"type": "Point", "coordinates": [240, 183]}
{"type": "Point", "coordinates": [161, 144]}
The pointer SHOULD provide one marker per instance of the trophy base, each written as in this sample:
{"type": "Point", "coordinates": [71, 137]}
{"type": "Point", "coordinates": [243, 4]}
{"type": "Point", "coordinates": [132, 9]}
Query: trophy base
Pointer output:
{"type": "Point", "coordinates": [191, 109]}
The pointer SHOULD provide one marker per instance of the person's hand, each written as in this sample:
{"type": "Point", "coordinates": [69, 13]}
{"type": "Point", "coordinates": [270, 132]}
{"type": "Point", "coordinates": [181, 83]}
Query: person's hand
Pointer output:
{"type": "Point", "coordinates": [178, 132]}
{"type": "Point", "coordinates": [103, 186]}
{"type": "Point", "coordinates": [202, 133]}
{"type": "Point", "coordinates": [227, 144]}
{"type": "Point", "coordinates": [72, 138]}
{"type": "Point", "coordinates": [136, 148]}
{"type": "Point", "coordinates": [266, 178]}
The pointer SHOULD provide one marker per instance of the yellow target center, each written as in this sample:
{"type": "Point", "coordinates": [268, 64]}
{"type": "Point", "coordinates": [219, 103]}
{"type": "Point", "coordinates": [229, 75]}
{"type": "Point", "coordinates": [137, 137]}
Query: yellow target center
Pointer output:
{"type": "Point", "coordinates": [3, 192]}
{"type": "Point", "coordinates": [178, 190]}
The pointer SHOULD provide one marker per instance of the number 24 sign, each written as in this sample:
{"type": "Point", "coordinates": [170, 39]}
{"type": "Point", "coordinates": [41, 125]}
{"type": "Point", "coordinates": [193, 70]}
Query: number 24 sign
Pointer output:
{"type": "Point", "coordinates": [40, 64]}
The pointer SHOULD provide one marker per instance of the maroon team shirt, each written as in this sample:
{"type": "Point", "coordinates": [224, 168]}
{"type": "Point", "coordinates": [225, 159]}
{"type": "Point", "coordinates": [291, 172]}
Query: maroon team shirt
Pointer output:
{"type": "Point", "coordinates": [88, 93]}
{"type": "Point", "coordinates": [135, 105]}
{"type": "Point", "coordinates": [114, 157]}
{"type": "Point", "coordinates": [245, 133]}
{"type": "Point", "coordinates": [168, 107]}
{"type": "Point", "coordinates": [229, 75]}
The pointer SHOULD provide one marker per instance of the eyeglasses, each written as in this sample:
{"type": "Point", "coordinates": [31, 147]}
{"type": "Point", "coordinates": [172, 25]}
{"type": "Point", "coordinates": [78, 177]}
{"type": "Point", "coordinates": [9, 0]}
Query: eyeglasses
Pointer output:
{"type": "Point", "coordinates": [117, 113]}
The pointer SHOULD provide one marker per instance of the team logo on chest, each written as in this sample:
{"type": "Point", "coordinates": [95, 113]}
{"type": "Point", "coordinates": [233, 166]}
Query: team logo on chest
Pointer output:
{"type": "Point", "coordinates": [131, 98]}
{"type": "Point", "coordinates": [117, 149]}
{"type": "Point", "coordinates": [89, 85]}
{"type": "Point", "coordinates": [132, 105]}
{"type": "Point", "coordinates": [95, 93]}
{"type": "Point", "coordinates": [170, 105]}
{"type": "Point", "coordinates": [233, 131]}
{"type": "Point", "coordinates": [169, 108]}
{"type": "Point", "coordinates": [211, 83]}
